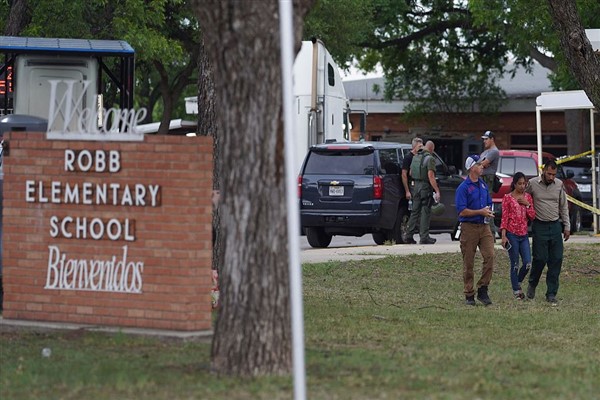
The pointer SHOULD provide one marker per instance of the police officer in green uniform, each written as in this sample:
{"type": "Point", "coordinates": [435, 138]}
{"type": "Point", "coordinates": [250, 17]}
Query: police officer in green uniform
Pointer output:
{"type": "Point", "coordinates": [422, 170]}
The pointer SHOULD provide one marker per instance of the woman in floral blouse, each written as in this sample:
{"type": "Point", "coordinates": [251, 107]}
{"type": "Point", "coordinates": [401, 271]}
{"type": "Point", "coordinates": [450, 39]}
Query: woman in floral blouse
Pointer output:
{"type": "Point", "coordinates": [517, 209]}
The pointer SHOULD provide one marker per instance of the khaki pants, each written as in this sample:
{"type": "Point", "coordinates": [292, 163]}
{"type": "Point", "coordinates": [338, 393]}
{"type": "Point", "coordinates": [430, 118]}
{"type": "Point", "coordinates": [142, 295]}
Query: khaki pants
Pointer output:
{"type": "Point", "coordinates": [473, 236]}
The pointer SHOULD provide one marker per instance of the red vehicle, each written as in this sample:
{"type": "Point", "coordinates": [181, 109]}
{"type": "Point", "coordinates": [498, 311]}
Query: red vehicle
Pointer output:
{"type": "Point", "coordinates": [512, 161]}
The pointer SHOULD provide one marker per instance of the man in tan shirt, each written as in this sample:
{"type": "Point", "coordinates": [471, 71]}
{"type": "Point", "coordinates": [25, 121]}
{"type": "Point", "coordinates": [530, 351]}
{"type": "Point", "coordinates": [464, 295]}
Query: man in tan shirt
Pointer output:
{"type": "Point", "coordinates": [550, 225]}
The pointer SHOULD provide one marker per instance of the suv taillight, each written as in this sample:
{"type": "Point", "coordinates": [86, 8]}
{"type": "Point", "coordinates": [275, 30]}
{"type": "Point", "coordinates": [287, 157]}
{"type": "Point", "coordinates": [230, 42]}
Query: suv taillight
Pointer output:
{"type": "Point", "coordinates": [377, 187]}
{"type": "Point", "coordinates": [299, 186]}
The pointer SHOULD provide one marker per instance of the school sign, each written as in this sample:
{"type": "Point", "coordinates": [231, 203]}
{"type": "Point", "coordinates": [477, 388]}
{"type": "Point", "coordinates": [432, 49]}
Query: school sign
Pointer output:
{"type": "Point", "coordinates": [107, 226]}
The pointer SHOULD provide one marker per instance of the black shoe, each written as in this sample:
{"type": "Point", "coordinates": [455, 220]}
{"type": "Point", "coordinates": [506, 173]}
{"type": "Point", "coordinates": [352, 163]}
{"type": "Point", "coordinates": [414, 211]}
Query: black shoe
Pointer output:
{"type": "Point", "coordinates": [530, 292]}
{"type": "Point", "coordinates": [482, 296]}
{"type": "Point", "coordinates": [470, 300]}
{"type": "Point", "coordinates": [427, 241]}
{"type": "Point", "coordinates": [552, 300]}
{"type": "Point", "coordinates": [409, 240]}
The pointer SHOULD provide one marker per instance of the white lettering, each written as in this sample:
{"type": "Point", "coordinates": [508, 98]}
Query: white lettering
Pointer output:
{"type": "Point", "coordinates": [29, 191]}
{"type": "Point", "coordinates": [68, 119]}
{"type": "Point", "coordinates": [56, 192]}
{"type": "Point", "coordinates": [140, 193]}
{"type": "Point", "coordinates": [53, 260]}
{"type": "Point", "coordinates": [101, 194]}
{"type": "Point", "coordinates": [69, 158]}
{"type": "Point", "coordinates": [115, 189]}
{"type": "Point", "coordinates": [100, 161]}
{"type": "Point", "coordinates": [126, 199]}
{"type": "Point", "coordinates": [67, 106]}
{"type": "Point", "coordinates": [63, 227]}
{"type": "Point", "coordinates": [154, 192]}
{"type": "Point", "coordinates": [98, 229]}
{"type": "Point", "coordinates": [41, 197]}
{"type": "Point", "coordinates": [80, 228]}
{"type": "Point", "coordinates": [115, 161]}
{"type": "Point", "coordinates": [54, 226]}
{"type": "Point", "coordinates": [91, 193]}
{"type": "Point", "coordinates": [84, 160]}
{"type": "Point", "coordinates": [66, 273]}
{"type": "Point", "coordinates": [71, 194]}
{"type": "Point", "coordinates": [110, 229]}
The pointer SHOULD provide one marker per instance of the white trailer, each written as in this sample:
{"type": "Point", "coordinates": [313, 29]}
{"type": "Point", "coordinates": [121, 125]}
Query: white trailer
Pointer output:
{"type": "Point", "coordinates": [320, 102]}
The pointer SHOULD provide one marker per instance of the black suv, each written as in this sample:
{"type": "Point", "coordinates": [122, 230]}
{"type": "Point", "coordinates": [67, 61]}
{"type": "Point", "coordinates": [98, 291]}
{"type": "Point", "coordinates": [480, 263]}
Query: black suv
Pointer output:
{"type": "Point", "coordinates": [355, 188]}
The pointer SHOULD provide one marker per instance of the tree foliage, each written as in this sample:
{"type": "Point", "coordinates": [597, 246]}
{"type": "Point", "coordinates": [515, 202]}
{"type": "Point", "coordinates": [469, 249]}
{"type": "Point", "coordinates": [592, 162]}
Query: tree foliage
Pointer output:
{"type": "Point", "coordinates": [447, 55]}
{"type": "Point", "coordinates": [164, 34]}
{"type": "Point", "coordinates": [582, 60]}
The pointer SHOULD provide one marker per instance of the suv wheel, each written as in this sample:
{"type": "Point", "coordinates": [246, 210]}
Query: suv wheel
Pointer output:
{"type": "Point", "coordinates": [317, 237]}
{"type": "Point", "coordinates": [404, 227]}
{"type": "Point", "coordinates": [379, 237]}
{"type": "Point", "coordinates": [575, 219]}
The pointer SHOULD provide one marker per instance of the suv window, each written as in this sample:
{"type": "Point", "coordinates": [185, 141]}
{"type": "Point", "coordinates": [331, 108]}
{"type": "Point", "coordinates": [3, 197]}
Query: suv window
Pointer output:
{"type": "Point", "coordinates": [340, 163]}
{"type": "Point", "coordinates": [510, 165]}
{"type": "Point", "coordinates": [389, 161]}
{"type": "Point", "coordinates": [440, 167]}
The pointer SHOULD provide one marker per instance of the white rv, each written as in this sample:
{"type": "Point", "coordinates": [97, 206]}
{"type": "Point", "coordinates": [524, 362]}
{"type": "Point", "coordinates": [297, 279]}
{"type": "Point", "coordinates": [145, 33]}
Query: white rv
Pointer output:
{"type": "Point", "coordinates": [320, 103]}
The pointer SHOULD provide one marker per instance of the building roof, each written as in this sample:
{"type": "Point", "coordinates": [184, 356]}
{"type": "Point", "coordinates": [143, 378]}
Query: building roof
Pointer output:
{"type": "Point", "coordinates": [523, 85]}
{"type": "Point", "coordinates": [13, 44]}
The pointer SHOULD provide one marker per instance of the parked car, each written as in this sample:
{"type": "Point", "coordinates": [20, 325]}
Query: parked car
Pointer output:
{"type": "Point", "coordinates": [355, 188]}
{"type": "Point", "coordinates": [512, 161]}
{"type": "Point", "coordinates": [580, 171]}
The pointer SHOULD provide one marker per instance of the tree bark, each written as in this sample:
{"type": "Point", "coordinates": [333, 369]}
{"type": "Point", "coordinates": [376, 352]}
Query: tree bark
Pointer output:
{"type": "Point", "coordinates": [583, 61]}
{"type": "Point", "coordinates": [207, 125]}
{"type": "Point", "coordinates": [18, 18]}
{"type": "Point", "coordinates": [253, 329]}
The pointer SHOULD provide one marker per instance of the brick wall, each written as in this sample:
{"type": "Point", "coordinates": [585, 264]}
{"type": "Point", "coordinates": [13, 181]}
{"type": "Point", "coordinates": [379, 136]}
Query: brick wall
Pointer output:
{"type": "Point", "coordinates": [465, 125]}
{"type": "Point", "coordinates": [152, 266]}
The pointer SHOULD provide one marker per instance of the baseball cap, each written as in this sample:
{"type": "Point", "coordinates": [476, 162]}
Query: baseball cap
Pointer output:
{"type": "Point", "coordinates": [470, 161]}
{"type": "Point", "coordinates": [488, 135]}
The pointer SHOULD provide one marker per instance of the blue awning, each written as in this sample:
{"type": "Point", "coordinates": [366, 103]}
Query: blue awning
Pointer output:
{"type": "Point", "coordinates": [13, 44]}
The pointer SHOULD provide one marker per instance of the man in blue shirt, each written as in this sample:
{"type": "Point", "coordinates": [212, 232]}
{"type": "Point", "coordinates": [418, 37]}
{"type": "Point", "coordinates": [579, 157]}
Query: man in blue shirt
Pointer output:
{"type": "Point", "coordinates": [474, 208]}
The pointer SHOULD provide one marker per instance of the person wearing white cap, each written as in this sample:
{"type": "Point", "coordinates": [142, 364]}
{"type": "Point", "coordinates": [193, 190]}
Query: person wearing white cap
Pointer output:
{"type": "Point", "coordinates": [474, 208]}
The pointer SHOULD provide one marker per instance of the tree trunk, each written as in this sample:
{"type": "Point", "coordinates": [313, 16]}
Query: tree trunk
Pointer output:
{"type": "Point", "coordinates": [577, 123]}
{"type": "Point", "coordinates": [253, 328]}
{"type": "Point", "coordinates": [18, 18]}
{"type": "Point", "coordinates": [207, 125]}
{"type": "Point", "coordinates": [583, 62]}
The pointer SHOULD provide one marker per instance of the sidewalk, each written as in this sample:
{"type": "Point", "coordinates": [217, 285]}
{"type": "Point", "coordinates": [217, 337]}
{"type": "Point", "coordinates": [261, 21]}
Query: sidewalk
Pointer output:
{"type": "Point", "coordinates": [312, 256]}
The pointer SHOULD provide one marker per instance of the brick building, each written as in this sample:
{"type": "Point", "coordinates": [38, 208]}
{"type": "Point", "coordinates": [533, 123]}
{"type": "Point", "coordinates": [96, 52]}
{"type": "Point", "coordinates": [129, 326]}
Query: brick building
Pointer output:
{"type": "Point", "coordinates": [458, 134]}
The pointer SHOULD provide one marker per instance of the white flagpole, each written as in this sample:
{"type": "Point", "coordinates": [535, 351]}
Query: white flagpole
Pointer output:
{"type": "Point", "coordinates": [286, 27]}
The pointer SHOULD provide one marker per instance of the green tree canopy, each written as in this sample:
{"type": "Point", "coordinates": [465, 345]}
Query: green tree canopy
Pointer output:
{"type": "Point", "coordinates": [446, 55]}
{"type": "Point", "coordinates": [164, 33]}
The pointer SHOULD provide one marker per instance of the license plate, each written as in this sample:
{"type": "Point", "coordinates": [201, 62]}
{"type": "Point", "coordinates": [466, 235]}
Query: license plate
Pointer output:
{"type": "Point", "coordinates": [584, 187]}
{"type": "Point", "coordinates": [336, 190]}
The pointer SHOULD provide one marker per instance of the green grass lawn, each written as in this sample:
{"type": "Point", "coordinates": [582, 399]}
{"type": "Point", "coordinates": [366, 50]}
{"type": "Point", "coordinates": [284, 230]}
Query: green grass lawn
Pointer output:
{"type": "Point", "coordinates": [393, 328]}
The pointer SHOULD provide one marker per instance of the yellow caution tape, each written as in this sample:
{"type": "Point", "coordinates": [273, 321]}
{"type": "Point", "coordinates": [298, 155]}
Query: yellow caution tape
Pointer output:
{"type": "Point", "coordinates": [575, 157]}
{"type": "Point", "coordinates": [583, 205]}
